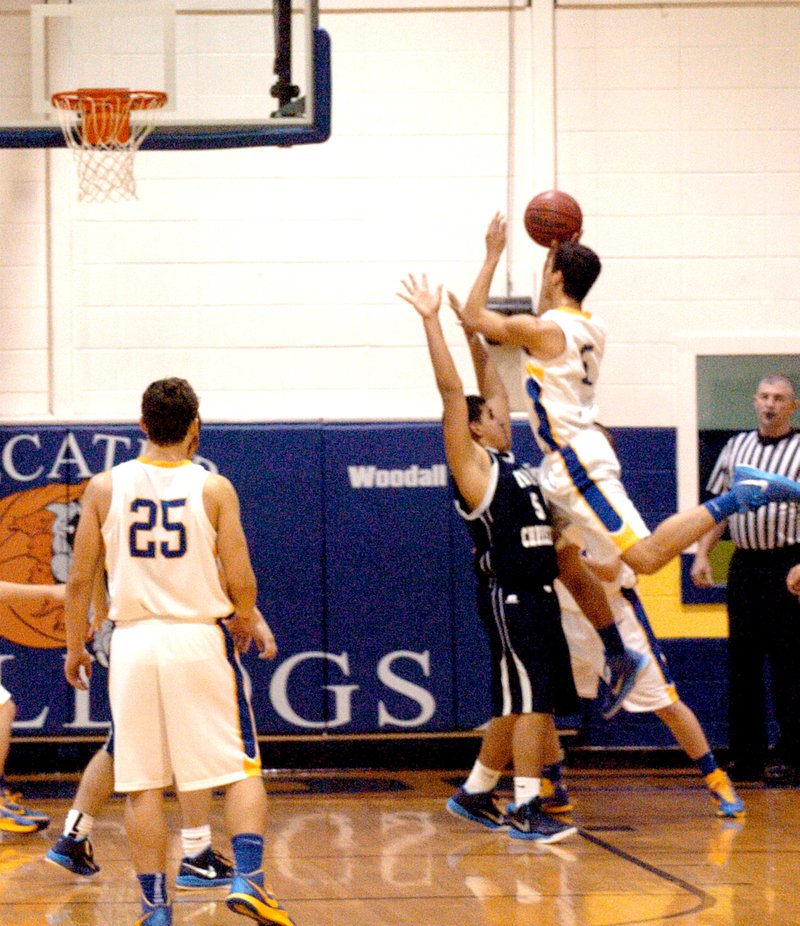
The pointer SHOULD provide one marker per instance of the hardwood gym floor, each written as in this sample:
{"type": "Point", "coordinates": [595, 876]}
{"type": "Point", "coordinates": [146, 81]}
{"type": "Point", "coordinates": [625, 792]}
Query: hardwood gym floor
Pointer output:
{"type": "Point", "coordinates": [378, 849]}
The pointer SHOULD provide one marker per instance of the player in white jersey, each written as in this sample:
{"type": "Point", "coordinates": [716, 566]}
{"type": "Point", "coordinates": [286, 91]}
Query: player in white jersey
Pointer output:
{"type": "Point", "coordinates": [201, 865]}
{"type": "Point", "coordinates": [564, 345]}
{"type": "Point", "coordinates": [181, 714]}
{"type": "Point", "coordinates": [654, 691]}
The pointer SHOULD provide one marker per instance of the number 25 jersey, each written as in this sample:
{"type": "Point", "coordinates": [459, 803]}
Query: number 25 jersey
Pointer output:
{"type": "Point", "coordinates": [160, 544]}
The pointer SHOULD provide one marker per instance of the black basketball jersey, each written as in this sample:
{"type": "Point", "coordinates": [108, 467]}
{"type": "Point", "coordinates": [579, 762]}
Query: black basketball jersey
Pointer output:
{"type": "Point", "coordinates": [511, 528]}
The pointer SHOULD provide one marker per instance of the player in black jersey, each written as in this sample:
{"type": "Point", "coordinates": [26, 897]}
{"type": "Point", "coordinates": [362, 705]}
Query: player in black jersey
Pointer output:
{"type": "Point", "coordinates": [516, 562]}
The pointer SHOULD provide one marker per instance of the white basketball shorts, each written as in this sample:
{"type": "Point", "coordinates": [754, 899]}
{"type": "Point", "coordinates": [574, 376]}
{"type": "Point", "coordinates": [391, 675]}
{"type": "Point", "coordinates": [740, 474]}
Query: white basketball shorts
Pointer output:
{"type": "Point", "coordinates": [653, 690]}
{"type": "Point", "coordinates": [180, 708]}
{"type": "Point", "coordinates": [582, 481]}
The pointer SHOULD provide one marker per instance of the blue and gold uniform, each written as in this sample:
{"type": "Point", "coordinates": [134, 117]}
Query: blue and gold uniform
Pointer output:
{"type": "Point", "coordinates": [580, 471]}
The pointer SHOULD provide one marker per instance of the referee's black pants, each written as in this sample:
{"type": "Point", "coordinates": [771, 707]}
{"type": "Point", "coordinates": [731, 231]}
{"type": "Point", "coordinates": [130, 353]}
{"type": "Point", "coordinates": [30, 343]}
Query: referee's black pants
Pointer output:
{"type": "Point", "coordinates": [764, 621]}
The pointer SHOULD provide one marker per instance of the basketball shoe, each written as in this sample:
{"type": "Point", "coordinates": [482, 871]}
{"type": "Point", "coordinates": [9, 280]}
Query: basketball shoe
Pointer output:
{"type": "Point", "coordinates": [479, 808]}
{"type": "Point", "coordinates": [75, 854]}
{"type": "Point", "coordinates": [528, 821]}
{"type": "Point", "coordinates": [755, 487]}
{"type": "Point", "coordinates": [250, 897]}
{"type": "Point", "coordinates": [554, 797]}
{"type": "Point", "coordinates": [624, 669]}
{"type": "Point", "coordinates": [728, 802]}
{"type": "Point", "coordinates": [208, 869]}
{"type": "Point", "coordinates": [17, 819]}
{"type": "Point", "coordinates": [155, 915]}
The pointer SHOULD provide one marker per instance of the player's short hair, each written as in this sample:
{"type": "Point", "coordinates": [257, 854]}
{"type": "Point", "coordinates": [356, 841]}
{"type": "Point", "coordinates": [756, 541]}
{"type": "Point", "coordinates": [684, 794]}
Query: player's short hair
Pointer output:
{"type": "Point", "coordinates": [579, 266]}
{"type": "Point", "coordinates": [773, 378]}
{"type": "Point", "coordinates": [169, 406]}
{"type": "Point", "coordinates": [475, 406]}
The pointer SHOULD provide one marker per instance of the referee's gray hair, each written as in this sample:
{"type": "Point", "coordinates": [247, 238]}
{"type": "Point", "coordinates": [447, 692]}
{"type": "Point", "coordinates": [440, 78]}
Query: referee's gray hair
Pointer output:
{"type": "Point", "coordinates": [773, 378]}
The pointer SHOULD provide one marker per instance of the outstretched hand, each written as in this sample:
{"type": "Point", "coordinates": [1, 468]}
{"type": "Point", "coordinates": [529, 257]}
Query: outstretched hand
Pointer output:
{"type": "Point", "coordinates": [457, 306]}
{"type": "Point", "coordinates": [496, 236]}
{"type": "Point", "coordinates": [427, 303]}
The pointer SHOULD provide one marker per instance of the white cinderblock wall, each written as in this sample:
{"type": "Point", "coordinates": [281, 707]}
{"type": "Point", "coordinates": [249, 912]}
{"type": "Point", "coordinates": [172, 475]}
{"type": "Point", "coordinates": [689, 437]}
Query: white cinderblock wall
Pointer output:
{"type": "Point", "coordinates": [267, 276]}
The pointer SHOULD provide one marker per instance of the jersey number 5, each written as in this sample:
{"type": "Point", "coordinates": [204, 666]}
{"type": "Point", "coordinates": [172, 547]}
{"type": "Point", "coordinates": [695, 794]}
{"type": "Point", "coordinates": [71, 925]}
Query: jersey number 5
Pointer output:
{"type": "Point", "coordinates": [140, 545]}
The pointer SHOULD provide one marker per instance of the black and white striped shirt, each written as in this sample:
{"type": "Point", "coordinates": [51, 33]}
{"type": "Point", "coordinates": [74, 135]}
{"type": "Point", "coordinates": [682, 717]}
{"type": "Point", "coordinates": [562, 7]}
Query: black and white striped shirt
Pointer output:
{"type": "Point", "coordinates": [773, 525]}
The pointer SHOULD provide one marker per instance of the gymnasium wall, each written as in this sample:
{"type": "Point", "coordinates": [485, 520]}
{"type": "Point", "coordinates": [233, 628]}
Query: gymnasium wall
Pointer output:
{"type": "Point", "coordinates": [268, 276]}
{"type": "Point", "coordinates": [364, 573]}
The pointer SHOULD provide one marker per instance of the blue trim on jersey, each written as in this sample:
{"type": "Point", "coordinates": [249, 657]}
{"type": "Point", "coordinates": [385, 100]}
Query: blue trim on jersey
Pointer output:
{"type": "Point", "coordinates": [543, 429]}
{"type": "Point", "coordinates": [249, 738]}
{"type": "Point", "coordinates": [584, 483]}
{"type": "Point", "coordinates": [641, 615]}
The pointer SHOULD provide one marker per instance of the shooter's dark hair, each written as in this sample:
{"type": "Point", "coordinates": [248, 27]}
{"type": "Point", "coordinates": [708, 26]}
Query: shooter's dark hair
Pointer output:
{"type": "Point", "coordinates": [579, 266]}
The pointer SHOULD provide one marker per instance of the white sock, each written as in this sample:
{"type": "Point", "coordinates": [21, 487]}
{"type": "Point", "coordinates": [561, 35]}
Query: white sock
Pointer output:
{"type": "Point", "coordinates": [481, 779]}
{"type": "Point", "coordinates": [195, 839]}
{"type": "Point", "coordinates": [526, 789]}
{"type": "Point", "coordinates": [78, 823]}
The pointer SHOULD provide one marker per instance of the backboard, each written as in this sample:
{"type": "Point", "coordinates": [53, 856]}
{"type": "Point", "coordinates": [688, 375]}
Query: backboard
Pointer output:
{"type": "Point", "coordinates": [236, 72]}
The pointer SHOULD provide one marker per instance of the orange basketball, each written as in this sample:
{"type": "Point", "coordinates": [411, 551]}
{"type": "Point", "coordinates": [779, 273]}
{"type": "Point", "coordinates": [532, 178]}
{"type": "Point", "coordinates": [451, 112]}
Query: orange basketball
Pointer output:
{"type": "Point", "coordinates": [36, 528]}
{"type": "Point", "coordinates": [553, 216]}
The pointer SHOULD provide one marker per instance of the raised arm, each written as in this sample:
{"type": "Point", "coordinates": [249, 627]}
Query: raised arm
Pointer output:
{"type": "Point", "coordinates": [468, 462]}
{"type": "Point", "coordinates": [490, 385]}
{"type": "Point", "coordinates": [542, 338]}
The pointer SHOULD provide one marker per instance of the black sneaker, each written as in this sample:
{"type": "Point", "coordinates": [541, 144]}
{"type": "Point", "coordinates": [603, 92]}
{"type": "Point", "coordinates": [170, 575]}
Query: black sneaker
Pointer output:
{"type": "Point", "coordinates": [209, 869]}
{"type": "Point", "coordinates": [530, 822]}
{"type": "Point", "coordinates": [479, 808]}
{"type": "Point", "coordinates": [75, 854]}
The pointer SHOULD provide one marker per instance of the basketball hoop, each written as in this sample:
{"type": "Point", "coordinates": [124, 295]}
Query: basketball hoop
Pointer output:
{"type": "Point", "coordinates": [97, 126]}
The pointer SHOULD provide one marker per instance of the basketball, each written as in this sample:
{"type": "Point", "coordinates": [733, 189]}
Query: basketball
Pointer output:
{"type": "Point", "coordinates": [553, 216]}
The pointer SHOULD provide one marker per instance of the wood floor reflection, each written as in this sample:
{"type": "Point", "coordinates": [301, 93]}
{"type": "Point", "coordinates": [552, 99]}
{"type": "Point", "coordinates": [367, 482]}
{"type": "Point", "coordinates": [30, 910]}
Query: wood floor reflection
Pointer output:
{"type": "Point", "coordinates": [378, 849]}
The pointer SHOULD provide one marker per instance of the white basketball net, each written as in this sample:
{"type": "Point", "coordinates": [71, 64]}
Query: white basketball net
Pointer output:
{"type": "Point", "coordinates": [104, 129]}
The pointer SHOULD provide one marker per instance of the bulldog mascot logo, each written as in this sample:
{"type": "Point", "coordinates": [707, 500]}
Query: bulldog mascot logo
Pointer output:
{"type": "Point", "coordinates": [37, 530]}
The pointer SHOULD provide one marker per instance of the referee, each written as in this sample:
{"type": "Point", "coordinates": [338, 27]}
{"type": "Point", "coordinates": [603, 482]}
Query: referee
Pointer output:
{"type": "Point", "coordinates": [763, 617]}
